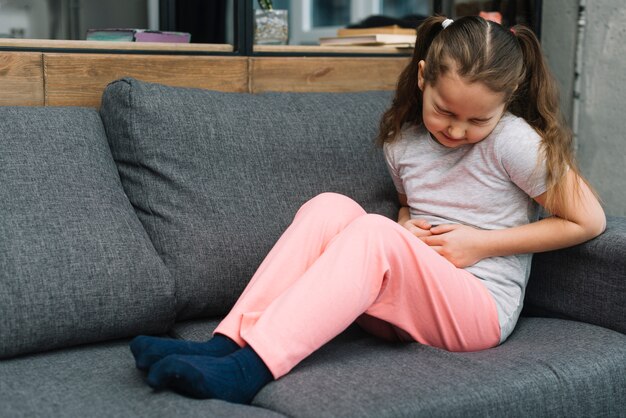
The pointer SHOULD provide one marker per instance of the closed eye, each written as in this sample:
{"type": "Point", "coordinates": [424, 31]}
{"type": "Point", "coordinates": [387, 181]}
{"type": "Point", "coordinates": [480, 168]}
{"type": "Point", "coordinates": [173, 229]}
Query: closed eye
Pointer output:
{"type": "Point", "coordinates": [443, 112]}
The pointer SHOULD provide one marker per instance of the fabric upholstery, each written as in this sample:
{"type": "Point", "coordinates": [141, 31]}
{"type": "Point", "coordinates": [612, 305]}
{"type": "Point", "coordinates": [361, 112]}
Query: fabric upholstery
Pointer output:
{"type": "Point", "coordinates": [547, 368]}
{"type": "Point", "coordinates": [97, 381]}
{"type": "Point", "coordinates": [586, 282]}
{"type": "Point", "coordinates": [216, 177]}
{"type": "Point", "coordinates": [76, 265]}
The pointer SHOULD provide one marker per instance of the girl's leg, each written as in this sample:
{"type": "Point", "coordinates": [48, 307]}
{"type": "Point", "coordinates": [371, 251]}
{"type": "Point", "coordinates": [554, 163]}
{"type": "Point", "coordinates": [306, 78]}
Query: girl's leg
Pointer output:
{"type": "Point", "coordinates": [374, 267]}
{"type": "Point", "coordinates": [314, 226]}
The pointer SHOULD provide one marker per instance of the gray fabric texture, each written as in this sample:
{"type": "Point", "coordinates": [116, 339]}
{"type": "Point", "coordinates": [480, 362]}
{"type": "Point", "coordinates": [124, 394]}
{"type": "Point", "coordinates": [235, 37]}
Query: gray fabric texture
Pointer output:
{"type": "Point", "coordinates": [216, 177]}
{"type": "Point", "coordinates": [547, 368]}
{"type": "Point", "coordinates": [97, 381]}
{"type": "Point", "coordinates": [586, 282]}
{"type": "Point", "coordinates": [76, 265]}
{"type": "Point", "coordinates": [194, 330]}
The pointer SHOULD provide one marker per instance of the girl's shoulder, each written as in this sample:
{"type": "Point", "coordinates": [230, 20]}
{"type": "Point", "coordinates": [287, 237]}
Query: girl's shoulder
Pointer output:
{"type": "Point", "coordinates": [410, 145]}
{"type": "Point", "coordinates": [511, 126]}
{"type": "Point", "coordinates": [518, 150]}
{"type": "Point", "coordinates": [514, 137]}
{"type": "Point", "coordinates": [409, 136]}
{"type": "Point", "coordinates": [410, 132]}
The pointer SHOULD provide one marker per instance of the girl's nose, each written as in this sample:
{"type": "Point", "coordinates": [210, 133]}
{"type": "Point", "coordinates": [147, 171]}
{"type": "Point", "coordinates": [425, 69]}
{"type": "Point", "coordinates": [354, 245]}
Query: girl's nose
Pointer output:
{"type": "Point", "coordinates": [456, 132]}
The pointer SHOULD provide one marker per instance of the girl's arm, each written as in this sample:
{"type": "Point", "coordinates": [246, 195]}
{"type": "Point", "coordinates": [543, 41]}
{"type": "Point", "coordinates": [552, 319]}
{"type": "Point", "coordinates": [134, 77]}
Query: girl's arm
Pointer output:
{"type": "Point", "coordinates": [582, 220]}
{"type": "Point", "coordinates": [403, 214]}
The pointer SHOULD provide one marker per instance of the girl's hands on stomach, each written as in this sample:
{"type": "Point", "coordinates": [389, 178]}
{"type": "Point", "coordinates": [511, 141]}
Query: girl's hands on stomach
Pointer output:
{"type": "Point", "coordinates": [418, 227]}
{"type": "Point", "coordinates": [459, 244]}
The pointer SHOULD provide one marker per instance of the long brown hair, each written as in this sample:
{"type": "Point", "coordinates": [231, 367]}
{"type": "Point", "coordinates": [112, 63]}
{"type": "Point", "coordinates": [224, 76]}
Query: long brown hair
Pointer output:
{"type": "Point", "coordinates": [506, 61]}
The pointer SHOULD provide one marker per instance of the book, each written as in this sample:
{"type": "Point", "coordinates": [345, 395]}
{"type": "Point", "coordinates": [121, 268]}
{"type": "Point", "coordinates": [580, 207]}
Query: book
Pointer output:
{"type": "Point", "coordinates": [137, 35]}
{"type": "Point", "coordinates": [373, 39]}
{"type": "Point", "coordinates": [115, 35]}
{"type": "Point", "coordinates": [390, 30]}
{"type": "Point", "coordinates": [160, 36]}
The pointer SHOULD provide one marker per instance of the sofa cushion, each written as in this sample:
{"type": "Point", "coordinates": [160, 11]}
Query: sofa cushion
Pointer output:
{"type": "Point", "coordinates": [585, 282]}
{"type": "Point", "coordinates": [97, 381]}
{"type": "Point", "coordinates": [216, 177]}
{"type": "Point", "coordinates": [76, 265]}
{"type": "Point", "coordinates": [548, 367]}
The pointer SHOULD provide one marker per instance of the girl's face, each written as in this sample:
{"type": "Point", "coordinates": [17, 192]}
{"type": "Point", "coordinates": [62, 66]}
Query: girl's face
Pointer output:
{"type": "Point", "coordinates": [456, 112]}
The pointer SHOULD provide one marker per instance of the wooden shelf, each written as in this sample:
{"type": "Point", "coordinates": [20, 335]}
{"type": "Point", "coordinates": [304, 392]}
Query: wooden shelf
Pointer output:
{"type": "Point", "coordinates": [307, 49]}
{"type": "Point", "coordinates": [68, 78]}
{"type": "Point", "coordinates": [121, 46]}
{"type": "Point", "coordinates": [36, 44]}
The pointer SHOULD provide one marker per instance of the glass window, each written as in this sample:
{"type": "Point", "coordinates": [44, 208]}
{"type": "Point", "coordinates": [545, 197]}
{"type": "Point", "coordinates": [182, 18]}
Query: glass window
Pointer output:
{"type": "Point", "coordinates": [312, 19]}
{"type": "Point", "coordinates": [508, 13]}
{"type": "Point", "coordinates": [403, 8]}
{"type": "Point", "coordinates": [330, 12]}
{"type": "Point", "coordinates": [206, 21]}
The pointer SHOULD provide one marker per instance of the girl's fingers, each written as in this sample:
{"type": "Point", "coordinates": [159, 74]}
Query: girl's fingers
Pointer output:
{"type": "Point", "coordinates": [443, 228]}
{"type": "Point", "coordinates": [420, 233]}
{"type": "Point", "coordinates": [422, 223]}
{"type": "Point", "coordinates": [430, 240]}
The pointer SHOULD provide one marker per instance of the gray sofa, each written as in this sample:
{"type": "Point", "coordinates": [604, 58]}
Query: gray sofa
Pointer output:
{"type": "Point", "coordinates": [149, 217]}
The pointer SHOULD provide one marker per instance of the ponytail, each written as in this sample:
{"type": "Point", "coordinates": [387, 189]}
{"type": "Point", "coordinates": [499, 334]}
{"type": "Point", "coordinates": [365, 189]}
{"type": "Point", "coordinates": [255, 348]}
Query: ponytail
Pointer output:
{"type": "Point", "coordinates": [407, 102]}
{"type": "Point", "coordinates": [537, 101]}
{"type": "Point", "coordinates": [426, 33]}
{"type": "Point", "coordinates": [537, 98]}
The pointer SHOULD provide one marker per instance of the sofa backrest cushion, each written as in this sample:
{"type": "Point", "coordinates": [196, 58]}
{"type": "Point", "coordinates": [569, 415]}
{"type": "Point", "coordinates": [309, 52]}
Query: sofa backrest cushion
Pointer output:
{"type": "Point", "coordinates": [585, 282]}
{"type": "Point", "coordinates": [216, 177]}
{"type": "Point", "coordinates": [76, 265]}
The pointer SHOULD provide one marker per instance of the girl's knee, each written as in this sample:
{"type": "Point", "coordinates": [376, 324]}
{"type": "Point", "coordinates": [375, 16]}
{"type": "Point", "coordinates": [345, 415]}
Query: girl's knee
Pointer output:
{"type": "Point", "coordinates": [377, 227]}
{"type": "Point", "coordinates": [335, 204]}
{"type": "Point", "coordinates": [373, 221]}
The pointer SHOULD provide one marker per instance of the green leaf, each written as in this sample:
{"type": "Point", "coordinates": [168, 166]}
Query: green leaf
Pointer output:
{"type": "Point", "coordinates": [266, 4]}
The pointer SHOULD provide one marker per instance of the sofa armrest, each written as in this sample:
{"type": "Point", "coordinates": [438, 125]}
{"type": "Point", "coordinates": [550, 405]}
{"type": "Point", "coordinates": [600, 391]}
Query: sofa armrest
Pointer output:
{"type": "Point", "coordinates": [586, 282]}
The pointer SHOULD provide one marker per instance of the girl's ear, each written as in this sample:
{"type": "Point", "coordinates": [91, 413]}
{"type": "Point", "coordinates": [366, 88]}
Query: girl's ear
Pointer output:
{"type": "Point", "coordinates": [420, 74]}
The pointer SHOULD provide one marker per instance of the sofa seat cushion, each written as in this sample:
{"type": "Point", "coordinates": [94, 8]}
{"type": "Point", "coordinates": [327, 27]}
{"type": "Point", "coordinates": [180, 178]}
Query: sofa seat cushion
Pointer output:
{"type": "Point", "coordinates": [217, 177]}
{"type": "Point", "coordinates": [547, 367]}
{"type": "Point", "coordinates": [98, 380]}
{"type": "Point", "coordinates": [76, 265]}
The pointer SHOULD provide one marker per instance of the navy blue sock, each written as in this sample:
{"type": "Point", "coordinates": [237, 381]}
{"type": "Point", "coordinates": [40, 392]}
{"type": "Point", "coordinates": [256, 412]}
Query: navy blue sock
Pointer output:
{"type": "Point", "coordinates": [148, 350]}
{"type": "Point", "coordinates": [235, 378]}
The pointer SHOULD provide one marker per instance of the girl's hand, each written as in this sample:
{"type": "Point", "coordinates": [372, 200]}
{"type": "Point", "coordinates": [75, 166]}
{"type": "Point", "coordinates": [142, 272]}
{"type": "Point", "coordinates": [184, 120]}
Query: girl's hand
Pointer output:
{"type": "Point", "coordinates": [459, 244]}
{"type": "Point", "coordinates": [418, 227]}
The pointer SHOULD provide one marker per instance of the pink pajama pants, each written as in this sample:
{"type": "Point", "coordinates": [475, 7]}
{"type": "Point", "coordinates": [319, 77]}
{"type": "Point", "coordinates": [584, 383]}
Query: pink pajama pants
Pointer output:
{"type": "Point", "coordinates": [336, 264]}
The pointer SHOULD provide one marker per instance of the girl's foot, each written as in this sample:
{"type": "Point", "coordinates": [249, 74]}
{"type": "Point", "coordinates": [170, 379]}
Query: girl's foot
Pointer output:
{"type": "Point", "coordinates": [149, 350]}
{"type": "Point", "coordinates": [234, 378]}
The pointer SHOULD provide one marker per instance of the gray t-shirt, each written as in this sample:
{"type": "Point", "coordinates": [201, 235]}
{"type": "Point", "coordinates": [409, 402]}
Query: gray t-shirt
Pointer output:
{"type": "Point", "coordinates": [487, 185]}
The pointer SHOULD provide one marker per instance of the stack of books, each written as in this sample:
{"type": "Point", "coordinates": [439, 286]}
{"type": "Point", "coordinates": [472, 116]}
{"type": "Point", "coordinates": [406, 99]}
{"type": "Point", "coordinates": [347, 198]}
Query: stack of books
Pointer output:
{"type": "Point", "coordinates": [381, 36]}
{"type": "Point", "coordinates": [137, 35]}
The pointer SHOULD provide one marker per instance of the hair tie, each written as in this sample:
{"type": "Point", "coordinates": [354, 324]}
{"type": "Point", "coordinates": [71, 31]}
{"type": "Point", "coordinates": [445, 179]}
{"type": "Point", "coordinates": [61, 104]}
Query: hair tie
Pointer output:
{"type": "Point", "coordinates": [446, 23]}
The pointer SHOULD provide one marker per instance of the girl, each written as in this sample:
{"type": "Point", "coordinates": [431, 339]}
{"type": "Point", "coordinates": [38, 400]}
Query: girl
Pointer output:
{"type": "Point", "coordinates": [473, 141]}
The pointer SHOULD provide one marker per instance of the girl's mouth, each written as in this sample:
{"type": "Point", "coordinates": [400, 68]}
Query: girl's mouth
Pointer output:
{"type": "Point", "coordinates": [451, 139]}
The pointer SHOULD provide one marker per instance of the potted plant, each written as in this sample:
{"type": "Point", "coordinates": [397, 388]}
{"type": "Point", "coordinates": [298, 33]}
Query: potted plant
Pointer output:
{"type": "Point", "coordinates": [271, 25]}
